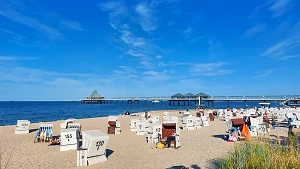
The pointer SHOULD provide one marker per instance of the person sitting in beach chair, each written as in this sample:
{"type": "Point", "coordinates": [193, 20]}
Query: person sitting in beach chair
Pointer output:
{"type": "Point", "coordinates": [37, 137]}
{"type": "Point", "coordinates": [170, 139]}
{"type": "Point", "coordinates": [43, 136]}
{"type": "Point", "coordinates": [48, 135]}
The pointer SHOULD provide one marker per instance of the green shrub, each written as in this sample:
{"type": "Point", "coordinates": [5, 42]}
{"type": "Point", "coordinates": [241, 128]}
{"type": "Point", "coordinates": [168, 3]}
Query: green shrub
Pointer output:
{"type": "Point", "coordinates": [263, 155]}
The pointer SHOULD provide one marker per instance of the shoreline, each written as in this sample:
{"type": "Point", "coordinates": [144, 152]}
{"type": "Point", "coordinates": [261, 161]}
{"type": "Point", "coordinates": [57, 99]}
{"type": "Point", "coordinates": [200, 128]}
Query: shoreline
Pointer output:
{"type": "Point", "coordinates": [89, 118]}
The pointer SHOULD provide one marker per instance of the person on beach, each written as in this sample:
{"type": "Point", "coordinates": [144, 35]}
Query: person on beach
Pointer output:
{"type": "Point", "coordinates": [273, 122]}
{"type": "Point", "coordinates": [43, 135]}
{"type": "Point", "coordinates": [169, 139]}
{"type": "Point", "coordinates": [37, 137]}
{"type": "Point", "coordinates": [54, 142]}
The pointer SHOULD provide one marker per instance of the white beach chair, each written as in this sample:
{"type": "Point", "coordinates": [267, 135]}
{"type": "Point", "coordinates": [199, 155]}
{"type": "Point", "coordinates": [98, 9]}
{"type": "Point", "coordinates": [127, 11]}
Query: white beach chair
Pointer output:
{"type": "Point", "coordinates": [66, 122]}
{"type": "Point", "coordinates": [188, 123]}
{"type": "Point", "coordinates": [22, 127]}
{"type": "Point", "coordinates": [69, 139]}
{"type": "Point", "coordinates": [174, 118]}
{"type": "Point", "coordinates": [114, 125]}
{"type": "Point", "coordinates": [154, 133]}
{"type": "Point", "coordinates": [154, 119]}
{"type": "Point", "coordinates": [95, 142]}
{"type": "Point", "coordinates": [133, 124]}
{"type": "Point", "coordinates": [166, 132]}
{"type": "Point", "coordinates": [205, 121]}
{"type": "Point", "coordinates": [142, 127]}
{"type": "Point", "coordinates": [197, 122]}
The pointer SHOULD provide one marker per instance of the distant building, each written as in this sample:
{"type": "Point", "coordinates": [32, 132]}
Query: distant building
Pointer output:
{"type": "Point", "coordinates": [94, 96]}
{"type": "Point", "coordinates": [189, 96]}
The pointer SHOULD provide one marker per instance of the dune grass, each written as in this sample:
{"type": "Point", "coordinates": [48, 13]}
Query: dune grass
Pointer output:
{"type": "Point", "coordinates": [264, 154]}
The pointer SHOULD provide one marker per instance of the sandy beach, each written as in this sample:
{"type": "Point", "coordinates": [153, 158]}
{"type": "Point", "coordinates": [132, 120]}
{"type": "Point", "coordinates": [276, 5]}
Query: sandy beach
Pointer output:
{"type": "Point", "coordinates": [127, 150]}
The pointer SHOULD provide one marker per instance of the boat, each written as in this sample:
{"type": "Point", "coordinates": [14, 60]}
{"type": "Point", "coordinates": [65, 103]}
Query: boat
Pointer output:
{"type": "Point", "coordinates": [155, 101]}
{"type": "Point", "coordinates": [263, 104]}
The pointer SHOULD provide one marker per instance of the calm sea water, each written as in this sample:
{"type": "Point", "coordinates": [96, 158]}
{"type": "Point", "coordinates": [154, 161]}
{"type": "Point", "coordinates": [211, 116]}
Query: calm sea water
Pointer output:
{"type": "Point", "coordinates": [35, 112]}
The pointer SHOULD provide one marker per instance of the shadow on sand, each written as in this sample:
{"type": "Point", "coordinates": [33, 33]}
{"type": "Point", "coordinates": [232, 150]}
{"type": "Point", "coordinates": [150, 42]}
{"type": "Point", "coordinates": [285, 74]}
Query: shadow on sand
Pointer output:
{"type": "Point", "coordinates": [221, 136]}
{"type": "Point", "coordinates": [194, 166]}
{"type": "Point", "coordinates": [109, 152]}
{"type": "Point", "coordinates": [33, 130]}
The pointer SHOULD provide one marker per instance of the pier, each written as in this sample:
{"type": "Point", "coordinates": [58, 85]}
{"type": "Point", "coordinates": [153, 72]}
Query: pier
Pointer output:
{"type": "Point", "coordinates": [189, 99]}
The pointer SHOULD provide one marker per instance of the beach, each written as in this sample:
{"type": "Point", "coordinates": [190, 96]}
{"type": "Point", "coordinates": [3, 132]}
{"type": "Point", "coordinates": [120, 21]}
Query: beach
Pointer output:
{"type": "Point", "coordinates": [198, 147]}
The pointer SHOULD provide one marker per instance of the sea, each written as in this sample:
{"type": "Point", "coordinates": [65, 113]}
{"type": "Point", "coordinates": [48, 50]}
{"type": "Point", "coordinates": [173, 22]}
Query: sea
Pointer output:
{"type": "Point", "coordinates": [44, 111]}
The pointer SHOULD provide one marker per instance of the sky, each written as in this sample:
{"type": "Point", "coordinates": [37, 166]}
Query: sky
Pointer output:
{"type": "Point", "coordinates": [53, 50]}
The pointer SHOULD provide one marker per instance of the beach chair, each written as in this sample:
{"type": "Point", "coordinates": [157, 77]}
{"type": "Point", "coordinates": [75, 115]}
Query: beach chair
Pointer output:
{"type": "Point", "coordinates": [45, 132]}
{"type": "Point", "coordinates": [197, 122]}
{"type": "Point", "coordinates": [205, 122]}
{"type": "Point", "coordinates": [154, 119]}
{"type": "Point", "coordinates": [95, 142]}
{"type": "Point", "coordinates": [142, 127]}
{"type": "Point", "coordinates": [113, 125]}
{"type": "Point", "coordinates": [166, 115]}
{"type": "Point", "coordinates": [22, 127]}
{"type": "Point", "coordinates": [168, 128]}
{"type": "Point", "coordinates": [69, 139]}
{"type": "Point", "coordinates": [65, 124]}
{"type": "Point", "coordinates": [156, 133]}
{"type": "Point", "coordinates": [174, 118]}
{"type": "Point", "coordinates": [188, 123]}
{"type": "Point", "coordinates": [133, 124]}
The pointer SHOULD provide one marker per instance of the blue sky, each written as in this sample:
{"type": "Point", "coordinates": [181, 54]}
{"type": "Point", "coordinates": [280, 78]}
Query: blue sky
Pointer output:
{"type": "Point", "coordinates": [51, 50]}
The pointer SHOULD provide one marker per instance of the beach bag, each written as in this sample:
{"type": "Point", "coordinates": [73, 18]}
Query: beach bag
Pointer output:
{"type": "Point", "coordinates": [160, 145]}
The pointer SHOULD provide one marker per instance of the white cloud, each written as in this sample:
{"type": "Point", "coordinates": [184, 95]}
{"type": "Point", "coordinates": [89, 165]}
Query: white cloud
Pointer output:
{"type": "Point", "coordinates": [72, 25]}
{"type": "Point", "coordinates": [15, 58]}
{"type": "Point", "coordinates": [134, 53]}
{"type": "Point", "coordinates": [146, 63]}
{"type": "Point", "coordinates": [264, 73]}
{"type": "Point", "coordinates": [255, 30]}
{"type": "Point", "coordinates": [147, 19]}
{"type": "Point", "coordinates": [210, 69]}
{"type": "Point", "coordinates": [156, 76]}
{"type": "Point", "coordinates": [117, 11]}
{"type": "Point", "coordinates": [213, 44]}
{"type": "Point", "coordinates": [128, 38]}
{"type": "Point", "coordinates": [30, 22]}
{"type": "Point", "coordinates": [188, 32]}
{"type": "Point", "coordinates": [279, 7]}
{"type": "Point", "coordinates": [12, 33]}
{"type": "Point", "coordinates": [288, 57]}
{"type": "Point", "coordinates": [158, 56]}
{"type": "Point", "coordinates": [284, 49]}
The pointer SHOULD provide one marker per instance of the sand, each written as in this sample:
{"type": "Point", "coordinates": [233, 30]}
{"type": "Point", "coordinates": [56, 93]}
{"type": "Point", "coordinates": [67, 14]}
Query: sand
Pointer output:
{"type": "Point", "coordinates": [127, 150]}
